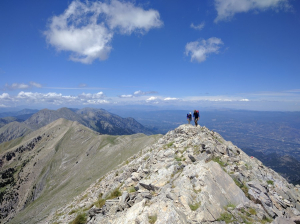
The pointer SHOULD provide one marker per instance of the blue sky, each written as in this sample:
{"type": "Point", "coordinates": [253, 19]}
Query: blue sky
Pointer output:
{"type": "Point", "coordinates": [239, 54]}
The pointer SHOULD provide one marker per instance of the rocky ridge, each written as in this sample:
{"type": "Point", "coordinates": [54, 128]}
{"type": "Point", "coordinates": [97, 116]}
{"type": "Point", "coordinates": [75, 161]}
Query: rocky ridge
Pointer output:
{"type": "Point", "coordinates": [191, 175]}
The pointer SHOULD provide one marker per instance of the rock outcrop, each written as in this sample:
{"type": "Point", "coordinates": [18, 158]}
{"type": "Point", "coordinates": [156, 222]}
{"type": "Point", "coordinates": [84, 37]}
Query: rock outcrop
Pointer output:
{"type": "Point", "coordinates": [191, 175]}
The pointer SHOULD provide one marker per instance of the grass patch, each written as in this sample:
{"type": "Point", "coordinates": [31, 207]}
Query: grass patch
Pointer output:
{"type": "Point", "coordinates": [114, 194]}
{"type": "Point", "coordinates": [252, 211]}
{"type": "Point", "coordinates": [227, 217]}
{"type": "Point", "coordinates": [243, 187]}
{"type": "Point", "coordinates": [248, 167]}
{"type": "Point", "coordinates": [270, 182]}
{"type": "Point", "coordinates": [218, 160]}
{"type": "Point", "coordinates": [131, 189]}
{"type": "Point", "coordinates": [100, 202]}
{"type": "Point", "coordinates": [266, 220]}
{"type": "Point", "coordinates": [152, 218]}
{"type": "Point", "coordinates": [73, 211]}
{"type": "Point", "coordinates": [80, 219]}
{"type": "Point", "coordinates": [194, 207]}
{"type": "Point", "coordinates": [169, 144]}
{"type": "Point", "coordinates": [230, 205]}
{"type": "Point", "coordinates": [177, 158]}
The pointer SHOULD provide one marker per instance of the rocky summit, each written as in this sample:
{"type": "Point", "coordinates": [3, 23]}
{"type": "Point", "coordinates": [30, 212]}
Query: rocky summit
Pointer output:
{"type": "Point", "coordinates": [191, 175]}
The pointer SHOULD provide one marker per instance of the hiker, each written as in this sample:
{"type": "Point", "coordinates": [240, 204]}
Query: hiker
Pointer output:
{"type": "Point", "coordinates": [189, 117]}
{"type": "Point", "coordinates": [196, 117]}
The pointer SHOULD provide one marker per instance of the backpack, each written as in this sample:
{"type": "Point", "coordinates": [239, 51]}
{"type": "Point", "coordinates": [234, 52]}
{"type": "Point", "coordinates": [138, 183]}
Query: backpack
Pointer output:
{"type": "Point", "coordinates": [189, 116]}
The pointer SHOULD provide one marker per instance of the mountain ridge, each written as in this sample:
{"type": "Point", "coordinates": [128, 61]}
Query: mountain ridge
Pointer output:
{"type": "Point", "coordinates": [191, 175]}
{"type": "Point", "coordinates": [97, 119]}
{"type": "Point", "coordinates": [57, 161]}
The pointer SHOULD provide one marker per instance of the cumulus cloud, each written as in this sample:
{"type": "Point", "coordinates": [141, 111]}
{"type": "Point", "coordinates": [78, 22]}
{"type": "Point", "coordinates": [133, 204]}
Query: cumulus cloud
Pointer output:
{"type": "Point", "coordinates": [199, 50]}
{"type": "Point", "coordinates": [198, 27]}
{"type": "Point", "coordinates": [4, 96]}
{"type": "Point", "coordinates": [228, 8]}
{"type": "Point", "coordinates": [54, 98]}
{"type": "Point", "coordinates": [86, 29]}
{"type": "Point", "coordinates": [98, 95]}
{"type": "Point", "coordinates": [22, 86]}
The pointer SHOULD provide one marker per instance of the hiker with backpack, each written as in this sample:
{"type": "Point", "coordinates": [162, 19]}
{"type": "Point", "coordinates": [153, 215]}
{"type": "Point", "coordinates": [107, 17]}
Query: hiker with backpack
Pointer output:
{"type": "Point", "coordinates": [189, 117]}
{"type": "Point", "coordinates": [196, 117]}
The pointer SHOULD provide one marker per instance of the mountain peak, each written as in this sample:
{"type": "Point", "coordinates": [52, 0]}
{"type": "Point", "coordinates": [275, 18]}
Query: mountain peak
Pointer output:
{"type": "Point", "coordinates": [191, 175]}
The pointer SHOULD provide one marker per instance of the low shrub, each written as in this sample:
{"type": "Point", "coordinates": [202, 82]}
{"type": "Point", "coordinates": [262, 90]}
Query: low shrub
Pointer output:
{"type": "Point", "coordinates": [152, 218]}
{"type": "Point", "coordinates": [80, 219]}
{"type": "Point", "coordinates": [194, 207]}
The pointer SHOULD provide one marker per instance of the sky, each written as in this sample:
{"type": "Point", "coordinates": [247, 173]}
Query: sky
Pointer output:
{"type": "Point", "coordinates": [236, 54]}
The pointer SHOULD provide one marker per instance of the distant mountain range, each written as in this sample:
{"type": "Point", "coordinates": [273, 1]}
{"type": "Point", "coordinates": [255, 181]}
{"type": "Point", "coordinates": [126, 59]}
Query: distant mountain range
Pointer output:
{"type": "Point", "coordinates": [97, 119]}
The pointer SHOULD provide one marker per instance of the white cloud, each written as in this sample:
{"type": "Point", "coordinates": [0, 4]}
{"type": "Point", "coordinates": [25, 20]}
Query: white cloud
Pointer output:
{"type": "Point", "coordinates": [4, 96]}
{"type": "Point", "coordinates": [126, 96]}
{"type": "Point", "coordinates": [22, 86]}
{"type": "Point", "coordinates": [96, 102]}
{"type": "Point", "coordinates": [199, 50]}
{"type": "Point", "coordinates": [246, 100]}
{"type": "Point", "coordinates": [227, 8]}
{"type": "Point", "coordinates": [198, 27]}
{"type": "Point", "coordinates": [129, 18]}
{"type": "Point", "coordinates": [141, 93]}
{"type": "Point", "coordinates": [98, 95]}
{"type": "Point", "coordinates": [2, 105]}
{"type": "Point", "coordinates": [86, 29]}
{"type": "Point", "coordinates": [170, 98]}
{"type": "Point", "coordinates": [152, 98]}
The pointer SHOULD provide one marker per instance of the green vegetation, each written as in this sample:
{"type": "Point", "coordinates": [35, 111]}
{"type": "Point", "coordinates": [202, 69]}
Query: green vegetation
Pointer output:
{"type": "Point", "coordinates": [266, 220]}
{"type": "Point", "coordinates": [115, 193]}
{"type": "Point", "coordinates": [252, 211]}
{"type": "Point", "coordinates": [169, 144]}
{"type": "Point", "coordinates": [270, 182]}
{"type": "Point", "coordinates": [80, 219]}
{"type": "Point", "coordinates": [227, 217]}
{"type": "Point", "coordinates": [248, 167]}
{"type": "Point", "coordinates": [194, 207]}
{"type": "Point", "coordinates": [73, 211]}
{"type": "Point", "coordinates": [131, 189]}
{"type": "Point", "coordinates": [177, 158]}
{"type": "Point", "coordinates": [99, 203]}
{"type": "Point", "coordinates": [243, 187]}
{"type": "Point", "coordinates": [230, 205]}
{"type": "Point", "coordinates": [196, 150]}
{"type": "Point", "coordinates": [217, 160]}
{"type": "Point", "coordinates": [152, 218]}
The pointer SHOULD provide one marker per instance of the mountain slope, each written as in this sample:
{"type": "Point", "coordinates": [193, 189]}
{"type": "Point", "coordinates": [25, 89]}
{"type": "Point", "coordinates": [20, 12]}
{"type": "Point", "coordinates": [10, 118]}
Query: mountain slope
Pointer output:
{"type": "Point", "coordinates": [105, 122]}
{"type": "Point", "coordinates": [7, 120]}
{"type": "Point", "coordinates": [13, 130]}
{"type": "Point", "coordinates": [191, 175]}
{"type": "Point", "coordinates": [45, 116]}
{"type": "Point", "coordinates": [51, 165]}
